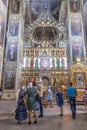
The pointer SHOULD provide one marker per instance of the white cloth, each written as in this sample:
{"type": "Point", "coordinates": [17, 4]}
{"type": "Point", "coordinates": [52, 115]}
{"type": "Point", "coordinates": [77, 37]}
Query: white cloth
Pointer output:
{"type": "Point", "coordinates": [40, 89]}
{"type": "Point", "coordinates": [23, 88]}
{"type": "Point", "coordinates": [29, 85]}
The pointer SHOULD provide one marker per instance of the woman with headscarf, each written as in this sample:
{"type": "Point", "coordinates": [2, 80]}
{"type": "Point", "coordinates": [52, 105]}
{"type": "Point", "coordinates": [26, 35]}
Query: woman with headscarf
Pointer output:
{"type": "Point", "coordinates": [32, 102]}
{"type": "Point", "coordinates": [21, 111]}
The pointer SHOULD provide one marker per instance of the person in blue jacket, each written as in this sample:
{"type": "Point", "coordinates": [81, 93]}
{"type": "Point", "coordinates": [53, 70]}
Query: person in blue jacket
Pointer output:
{"type": "Point", "coordinates": [72, 92]}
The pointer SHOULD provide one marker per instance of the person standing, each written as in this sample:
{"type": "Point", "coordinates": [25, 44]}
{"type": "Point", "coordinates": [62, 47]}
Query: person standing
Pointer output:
{"type": "Point", "coordinates": [31, 102]}
{"type": "Point", "coordinates": [59, 100]}
{"type": "Point", "coordinates": [21, 111]}
{"type": "Point", "coordinates": [72, 92]}
{"type": "Point", "coordinates": [49, 96]}
{"type": "Point", "coordinates": [40, 91]}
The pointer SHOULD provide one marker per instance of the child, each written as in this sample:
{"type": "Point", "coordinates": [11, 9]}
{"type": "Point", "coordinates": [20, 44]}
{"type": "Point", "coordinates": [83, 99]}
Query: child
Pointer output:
{"type": "Point", "coordinates": [49, 96]}
{"type": "Point", "coordinates": [59, 100]}
{"type": "Point", "coordinates": [85, 98]}
{"type": "Point", "coordinates": [21, 111]}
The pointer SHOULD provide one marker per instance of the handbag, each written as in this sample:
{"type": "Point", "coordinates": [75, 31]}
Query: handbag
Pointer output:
{"type": "Point", "coordinates": [37, 96]}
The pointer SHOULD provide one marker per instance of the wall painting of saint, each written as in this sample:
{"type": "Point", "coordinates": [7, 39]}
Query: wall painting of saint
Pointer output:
{"type": "Point", "coordinates": [80, 80]}
{"type": "Point", "coordinates": [10, 78]}
{"type": "Point", "coordinates": [76, 27]}
{"type": "Point", "coordinates": [12, 52]}
{"type": "Point", "coordinates": [13, 28]}
{"type": "Point", "coordinates": [15, 6]}
{"type": "Point", "coordinates": [77, 50]}
{"type": "Point", "coordinates": [75, 6]}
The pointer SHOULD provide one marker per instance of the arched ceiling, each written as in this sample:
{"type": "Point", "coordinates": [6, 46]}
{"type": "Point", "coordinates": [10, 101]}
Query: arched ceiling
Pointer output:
{"type": "Point", "coordinates": [35, 9]}
{"type": "Point", "coordinates": [45, 29]}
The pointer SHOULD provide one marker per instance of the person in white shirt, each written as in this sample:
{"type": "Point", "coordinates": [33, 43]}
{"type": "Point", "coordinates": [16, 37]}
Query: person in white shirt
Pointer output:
{"type": "Point", "coordinates": [40, 91]}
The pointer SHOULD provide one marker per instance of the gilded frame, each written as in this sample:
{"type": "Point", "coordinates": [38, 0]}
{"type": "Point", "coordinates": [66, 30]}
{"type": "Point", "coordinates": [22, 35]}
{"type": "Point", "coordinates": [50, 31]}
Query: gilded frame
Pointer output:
{"type": "Point", "coordinates": [80, 80]}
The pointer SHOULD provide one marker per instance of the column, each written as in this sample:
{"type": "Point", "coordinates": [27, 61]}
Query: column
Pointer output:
{"type": "Point", "coordinates": [75, 31]}
{"type": "Point", "coordinates": [3, 18]}
{"type": "Point", "coordinates": [14, 49]}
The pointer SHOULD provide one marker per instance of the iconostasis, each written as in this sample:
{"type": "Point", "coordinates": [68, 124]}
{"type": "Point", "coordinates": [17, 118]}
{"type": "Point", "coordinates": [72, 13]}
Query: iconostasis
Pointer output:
{"type": "Point", "coordinates": [44, 59]}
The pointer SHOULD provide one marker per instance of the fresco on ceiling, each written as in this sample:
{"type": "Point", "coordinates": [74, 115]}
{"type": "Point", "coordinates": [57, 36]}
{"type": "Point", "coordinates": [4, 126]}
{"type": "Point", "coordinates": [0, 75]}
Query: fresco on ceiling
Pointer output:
{"type": "Point", "coordinates": [55, 8]}
{"type": "Point", "coordinates": [38, 6]}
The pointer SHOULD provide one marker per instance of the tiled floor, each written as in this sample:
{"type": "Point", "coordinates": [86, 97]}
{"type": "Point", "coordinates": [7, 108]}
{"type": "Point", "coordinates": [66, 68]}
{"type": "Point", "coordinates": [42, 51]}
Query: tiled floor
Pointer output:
{"type": "Point", "coordinates": [50, 121]}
